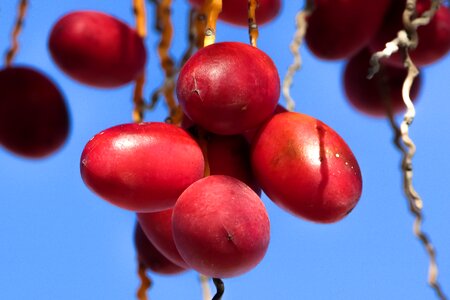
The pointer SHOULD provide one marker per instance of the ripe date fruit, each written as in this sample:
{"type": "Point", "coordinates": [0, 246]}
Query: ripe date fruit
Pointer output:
{"type": "Point", "coordinates": [236, 11]}
{"type": "Point", "coordinates": [230, 155]}
{"type": "Point", "coordinates": [306, 168]}
{"type": "Point", "coordinates": [151, 257]}
{"type": "Point", "coordinates": [434, 38]}
{"type": "Point", "coordinates": [158, 229]}
{"type": "Point", "coordinates": [250, 134]}
{"type": "Point", "coordinates": [220, 227]}
{"type": "Point", "coordinates": [228, 87]}
{"type": "Point", "coordinates": [97, 49]}
{"type": "Point", "coordinates": [34, 120]}
{"type": "Point", "coordinates": [381, 94]}
{"type": "Point", "coordinates": [338, 29]}
{"type": "Point", "coordinates": [141, 167]}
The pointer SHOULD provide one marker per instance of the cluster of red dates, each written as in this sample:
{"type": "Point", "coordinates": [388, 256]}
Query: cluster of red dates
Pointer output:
{"type": "Point", "coordinates": [354, 30]}
{"type": "Point", "coordinates": [196, 187]}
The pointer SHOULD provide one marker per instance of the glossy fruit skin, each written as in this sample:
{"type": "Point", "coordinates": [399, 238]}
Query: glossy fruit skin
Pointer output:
{"type": "Point", "coordinates": [158, 229]}
{"type": "Point", "coordinates": [235, 11]}
{"type": "Point", "coordinates": [228, 87]}
{"type": "Point", "coordinates": [250, 134]}
{"type": "Point", "coordinates": [97, 49]}
{"type": "Point", "coordinates": [337, 29]}
{"type": "Point", "coordinates": [220, 227]}
{"type": "Point", "coordinates": [151, 257]}
{"type": "Point", "coordinates": [381, 94]}
{"type": "Point", "coordinates": [306, 168]}
{"type": "Point", "coordinates": [34, 119]}
{"type": "Point", "coordinates": [141, 167]}
{"type": "Point", "coordinates": [434, 38]}
{"type": "Point", "coordinates": [230, 155]}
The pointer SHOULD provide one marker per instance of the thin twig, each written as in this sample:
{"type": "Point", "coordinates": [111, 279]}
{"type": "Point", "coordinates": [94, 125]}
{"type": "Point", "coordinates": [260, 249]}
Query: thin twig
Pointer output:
{"type": "Point", "coordinates": [301, 25]}
{"type": "Point", "coordinates": [220, 287]}
{"type": "Point", "coordinates": [408, 39]}
{"type": "Point", "coordinates": [192, 37]}
{"type": "Point", "coordinates": [141, 28]}
{"type": "Point", "coordinates": [163, 25]}
{"type": "Point", "coordinates": [252, 25]}
{"type": "Point", "coordinates": [204, 283]}
{"type": "Point", "coordinates": [12, 51]}
{"type": "Point", "coordinates": [145, 282]}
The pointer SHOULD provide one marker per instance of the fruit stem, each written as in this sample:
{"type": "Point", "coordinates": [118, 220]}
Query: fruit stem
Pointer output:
{"type": "Point", "coordinates": [301, 25]}
{"type": "Point", "coordinates": [163, 25]}
{"type": "Point", "coordinates": [204, 283]}
{"type": "Point", "coordinates": [141, 28]}
{"type": "Point", "coordinates": [145, 282]}
{"type": "Point", "coordinates": [138, 99]}
{"type": "Point", "coordinates": [12, 51]}
{"type": "Point", "coordinates": [252, 26]}
{"type": "Point", "coordinates": [140, 16]}
{"type": "Point", "coordinates": [213, 9]}
{"type": "Point", "coordinates": [407, 39]}
{"type": "Point", "coordinates": [220, 287]}
{"type": "Point", "coordinates": [192, 37]}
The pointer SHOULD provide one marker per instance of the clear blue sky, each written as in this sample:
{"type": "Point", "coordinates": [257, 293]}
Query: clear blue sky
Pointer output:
{"type": "Point", "coordinates": [59, 241]}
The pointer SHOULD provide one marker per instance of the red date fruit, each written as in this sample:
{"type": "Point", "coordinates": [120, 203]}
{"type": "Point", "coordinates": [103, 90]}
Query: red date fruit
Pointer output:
{"type": "Point", "coordinates": [306, 168]}
{"type": "Point", "coordinates": [250, 134]}
{"type": "Point", "coordinates": [151, 257]}
{"type": "Point", "coordinates": [228, 87]}
{"type": "Point", "coordinates": [158, 229]}
{"type": "Point", "coordinates": [338, 29]}
{"type": "Point", "coordinates": [220, 227]}
{"type": "Point", "coordinates": [230, 155]}
{"type": "Point", "coordinates": [97, 49]}
{"type": "Point", "coordinates": [236, 11]}
{"type": "Point", "coordinates": [434, 38]}
{"type": "Point", "coordinates": [381, 94]}
{"type": "Point", "coordinates": [34, 121]}
{"type": "Point", "coordinates": [141, 167]}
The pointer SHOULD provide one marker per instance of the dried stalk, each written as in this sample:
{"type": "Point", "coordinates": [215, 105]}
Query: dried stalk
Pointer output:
{"type": "Point", "coordinates": [192, 37]}
{"type": "Point", "coordinates": [164, 26]}
{"type": "Point", "coordinates": [12, 51]}
{"type": "Point", "coordinates": [252, 26]}
{"type": "Point", "coordinates": [213, 8]}
{"type": "Point", "coordinates": [301, 25]}
{"type": "Point", "coordinates": [204, 283]}
{"type": "Point", "coordinates": [200, 25]}
{"type": "Point", "coordinates": [141, 28]}
{"type": "Point", "coordinates": [220, 287]}
{"type": "Point", "coordinates": [145, 282]}
{"type": "Point", "coordinates": [408, 39]}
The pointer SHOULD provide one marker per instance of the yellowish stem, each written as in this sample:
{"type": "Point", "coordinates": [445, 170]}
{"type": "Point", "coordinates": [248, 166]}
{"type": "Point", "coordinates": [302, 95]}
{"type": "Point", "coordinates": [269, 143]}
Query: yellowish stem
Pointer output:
{"type": "Point", "coordinates": [252, 26]}
{"type": "Point", "coordinates": [213, 8]}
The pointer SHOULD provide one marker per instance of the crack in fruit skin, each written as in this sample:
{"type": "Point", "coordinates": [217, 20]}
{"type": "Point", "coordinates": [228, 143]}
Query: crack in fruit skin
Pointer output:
{"type": "Point", "coordinates": [228, 88]}
{"type": "Point", "coordinates": [220, 227]}
{"type": "Point", "coordinates": [306, 168]}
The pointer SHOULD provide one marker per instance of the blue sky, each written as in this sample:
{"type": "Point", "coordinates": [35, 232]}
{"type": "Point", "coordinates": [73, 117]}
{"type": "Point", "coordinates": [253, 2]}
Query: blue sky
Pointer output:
{"type": "Point", "coordinates": [60, 241]}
